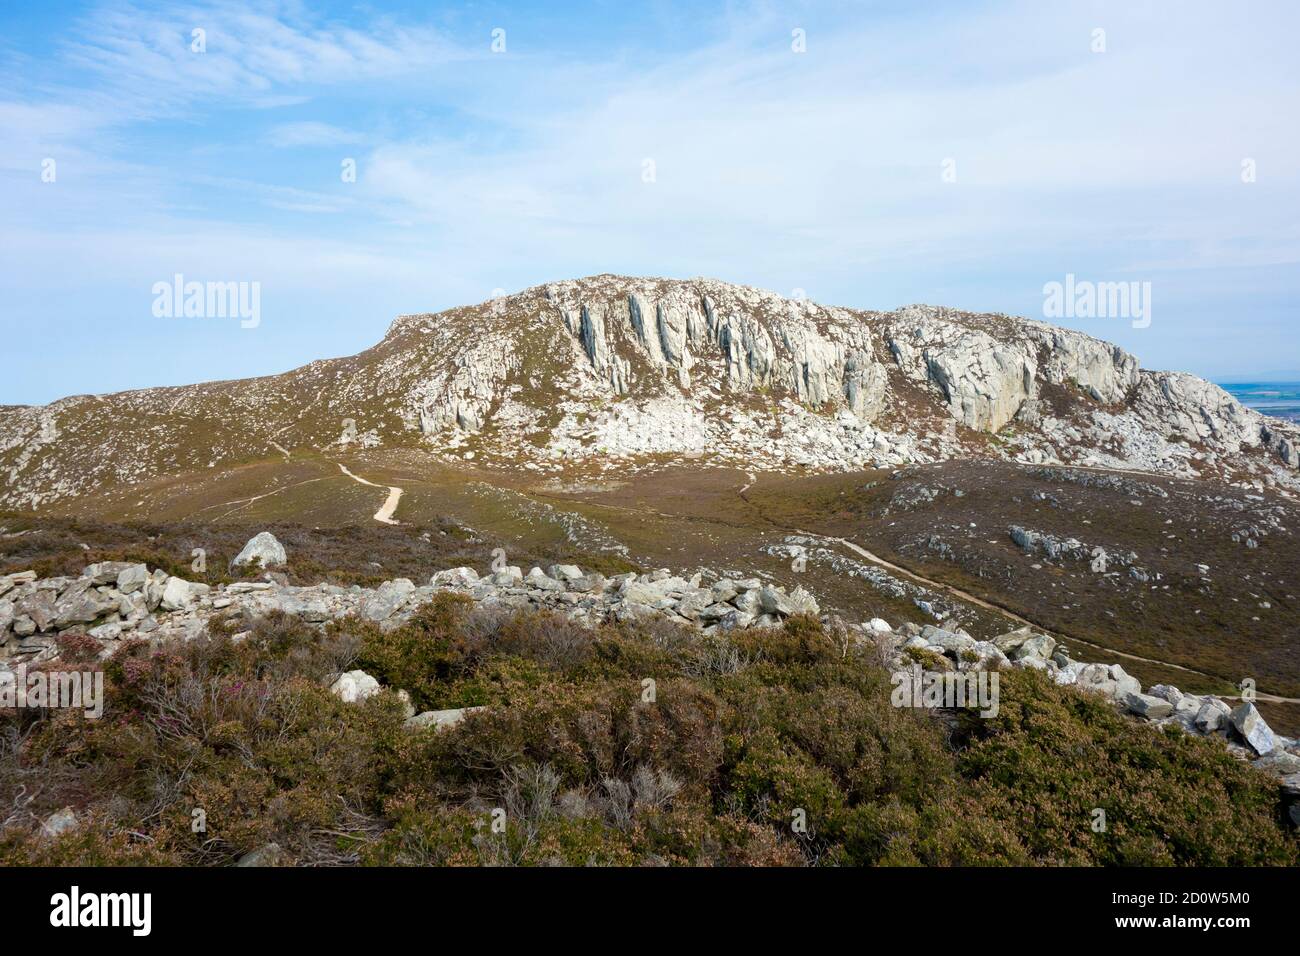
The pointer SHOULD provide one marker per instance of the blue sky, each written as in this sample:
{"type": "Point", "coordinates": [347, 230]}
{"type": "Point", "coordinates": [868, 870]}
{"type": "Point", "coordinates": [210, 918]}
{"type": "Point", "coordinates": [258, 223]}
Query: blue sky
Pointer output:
{"type": "Point", "coordinates": [480, 170]}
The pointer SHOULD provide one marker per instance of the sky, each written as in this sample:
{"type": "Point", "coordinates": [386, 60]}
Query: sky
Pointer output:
{"type": "Point", "coordinates": [866, 154]}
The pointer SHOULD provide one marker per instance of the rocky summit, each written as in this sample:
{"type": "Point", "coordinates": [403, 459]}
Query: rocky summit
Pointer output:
{"type": "Point", "coordinates": [613, 374]}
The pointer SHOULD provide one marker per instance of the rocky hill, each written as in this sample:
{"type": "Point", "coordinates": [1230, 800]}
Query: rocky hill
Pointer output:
{"type": "Point", "coordinates": [611, 374]}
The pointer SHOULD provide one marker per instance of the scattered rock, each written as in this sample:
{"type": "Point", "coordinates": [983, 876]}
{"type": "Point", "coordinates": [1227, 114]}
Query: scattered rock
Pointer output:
{"type": "Point", "coordinates": [1145, 705]}
{"type": "Point", "coordinates": [441, 719]}
{"type": "Point", "coordinates": [56, 824]}
{"type": "Point", "coordinates": [1253, 729]}
{"type": "Point", "coordinates": [455, 577]}
{"type": "Point", "coordinates": [387, 598]}
{"type": "Point", "coordinates": [268, 855]}
{"type": "Point", "coordinates": [262, 547]}
{"type": "Point", "coordinates": [355, 686]}
{"type": "Point", "coordinates": [178, 593]}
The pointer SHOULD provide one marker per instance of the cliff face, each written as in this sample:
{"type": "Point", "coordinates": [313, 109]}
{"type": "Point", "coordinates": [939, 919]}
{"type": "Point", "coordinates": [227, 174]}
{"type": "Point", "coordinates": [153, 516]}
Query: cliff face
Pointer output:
{"type": "Point", "coordinates": [604, 371]}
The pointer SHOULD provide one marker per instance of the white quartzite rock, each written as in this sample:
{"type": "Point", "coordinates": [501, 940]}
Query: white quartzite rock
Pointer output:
{"type": "Point", "coordinates": [354, 686]}
{"type": "Point", "coordinates": [262, 547]}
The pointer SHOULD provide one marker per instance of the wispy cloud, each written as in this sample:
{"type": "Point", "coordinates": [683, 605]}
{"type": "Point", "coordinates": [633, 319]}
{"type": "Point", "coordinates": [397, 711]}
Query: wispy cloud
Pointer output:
{"type": "Point", "coordinates": [711, 146]}
{"type": "Point", "coordinates": [310, 133]}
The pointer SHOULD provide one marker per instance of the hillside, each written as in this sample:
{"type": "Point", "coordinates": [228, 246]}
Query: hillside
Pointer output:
{"type": "Point", "coordinates": [612, 375]}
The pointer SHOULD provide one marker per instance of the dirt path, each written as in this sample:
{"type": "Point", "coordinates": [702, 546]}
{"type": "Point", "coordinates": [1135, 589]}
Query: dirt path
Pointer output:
{"type": "Point", "coordinates": [972, 599]}
{"type": "Point", "coordinates": [385, 513]}
{"type": "Point", "coordinates": [243, 503]}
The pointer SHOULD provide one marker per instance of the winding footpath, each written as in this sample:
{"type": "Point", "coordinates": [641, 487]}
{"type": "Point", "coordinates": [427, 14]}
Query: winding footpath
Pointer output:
{"type": "Point", "coordinates": [385, 513]}
{"type": "Point", "coordinates": [972, 599]}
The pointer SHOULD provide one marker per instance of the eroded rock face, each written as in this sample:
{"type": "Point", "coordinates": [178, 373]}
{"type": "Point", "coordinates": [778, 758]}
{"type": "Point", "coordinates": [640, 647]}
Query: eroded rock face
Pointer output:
{"type": "Point", "coordinates": [1105, 371]}
{"type": "Point", "coordinates": [1197, 411]}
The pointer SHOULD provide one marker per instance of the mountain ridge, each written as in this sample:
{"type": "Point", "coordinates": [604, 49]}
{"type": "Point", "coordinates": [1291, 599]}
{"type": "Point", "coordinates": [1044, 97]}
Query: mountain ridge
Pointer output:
{"type": "Point", "coordinates": [616, 373]}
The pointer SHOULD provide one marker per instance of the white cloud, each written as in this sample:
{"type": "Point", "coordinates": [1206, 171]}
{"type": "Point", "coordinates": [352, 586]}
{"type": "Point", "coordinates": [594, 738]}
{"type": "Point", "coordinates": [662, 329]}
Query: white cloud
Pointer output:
{"type": "Point", "coordinates": [310, 133]}
{"type": "Point", "coordinates": [820, 170]}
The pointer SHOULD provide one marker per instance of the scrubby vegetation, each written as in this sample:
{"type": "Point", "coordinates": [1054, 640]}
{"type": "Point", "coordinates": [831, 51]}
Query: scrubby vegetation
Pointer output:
{"type": "Point", "coordinates": [631, 744]}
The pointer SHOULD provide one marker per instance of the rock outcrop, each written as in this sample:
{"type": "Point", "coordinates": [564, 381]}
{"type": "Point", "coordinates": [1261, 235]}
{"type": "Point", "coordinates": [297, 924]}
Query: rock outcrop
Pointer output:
{"type": "Point", "coordinates": [613, 372]}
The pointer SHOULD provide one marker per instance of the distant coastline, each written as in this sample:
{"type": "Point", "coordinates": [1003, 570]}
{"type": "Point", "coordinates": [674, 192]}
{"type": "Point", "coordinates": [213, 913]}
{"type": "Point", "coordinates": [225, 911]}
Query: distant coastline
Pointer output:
{"type": "Point", "coordinates": [1279, 399]}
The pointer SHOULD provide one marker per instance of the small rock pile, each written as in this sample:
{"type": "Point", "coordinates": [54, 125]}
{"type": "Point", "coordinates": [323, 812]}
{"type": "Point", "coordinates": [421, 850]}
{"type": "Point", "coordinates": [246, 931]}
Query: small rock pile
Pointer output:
{"type": "Point", "coordinates": [727, 604]}
{"type": "Point", "coordinates": [112, 600]}
{"type": "Point", "coordinates": [106, 601]}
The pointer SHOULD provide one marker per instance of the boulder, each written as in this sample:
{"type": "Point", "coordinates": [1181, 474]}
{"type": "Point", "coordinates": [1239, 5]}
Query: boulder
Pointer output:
{"type": "Point", "coordinates": [82, 604]}
{"type": "Point", "coordinates": [1253, 729]}
{"type": "Point", "coordinates": [39, 608]}
{"type": "Point", "coordinates": [724, 590]}
{"type": "Point", "coordinates": [64, 821]}
{"type": "Point", "coordinates": [1213, 715]}
{"type": "Point", "coordinates": [508, 577]}
{"type": "Point", "coordinates": [1066, 673]}
{"type": "Point", "coordinates": [441, 719]}
{"type": "Point", "coordinates": [1096, 678]}
{"type": "Point", "coordinates": [641, 592]}
{"type": "Point", "coordinates": [16, 578]}
{"type": "Point", "coordinates": [1009, 642]}
{"type": "Point", "coordinates": [539, 581]}
{"type": "Point", "coordinates": [947, 641]}
{"type": "Point", "coordinates": [738, 620]}
{"type": "Point", "coordinates": [1124, 683]}
{"type": "Point", "coordinates": [132, 578]}
{"type": "Point", "coordinates": [178, 593]}
{"type": "Point", "coordinates": [694, 603]}
{"type": "Point", "coordinates": [354, 686]}
{"type": "Point", "coordinates": [153, 590]}
{"type": "Point", "coordinates": [564, 572]}
{"type": "Point", "coordinates": [268, 855]}
{"type": "Point", "coordinates": [878, 626]}
{"type": "Point", "coordinates": [715, 612]}
{"type": "Point", "coordinates": [1039, 646]}
{"type": "Point", "coordinates": [1145, 705]}
{"type": "Point", "coordinates": [386, 600]}
{"type": "Point", "coordinates": [106, 632]}
{"type": "Point", "coordinates": [989, 656]}
{"type": "Point", "coordinates": [455, 577]}
{"type": "Point", "coordinates": [775, 601]}
{"type": "Point", "coordinates": [586, 584]}
{"type": "Point", "coordinates": [261, 547]}
{"type": "Point", "coordinates": [1167, 692]}
{"type": "Point", "coordinates": [1279, 762]}
{"type": "Point", "coordinates": [105, 572]}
